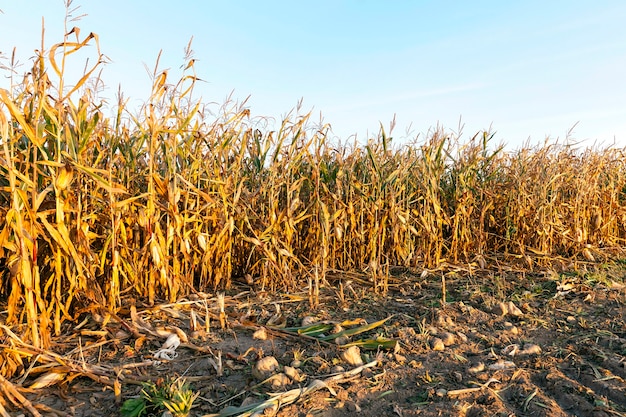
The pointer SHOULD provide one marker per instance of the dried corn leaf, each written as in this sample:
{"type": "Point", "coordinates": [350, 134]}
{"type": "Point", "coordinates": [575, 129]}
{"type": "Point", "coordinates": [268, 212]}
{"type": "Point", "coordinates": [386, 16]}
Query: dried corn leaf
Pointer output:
{"type": "Point", "coordinates": [48, 379]}
{"type": "Point", "coordinates": [278, 399]}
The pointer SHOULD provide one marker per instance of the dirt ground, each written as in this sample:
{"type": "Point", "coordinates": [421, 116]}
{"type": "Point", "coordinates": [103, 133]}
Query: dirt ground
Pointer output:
{"type": "Point", "coordinates": [505, 343]}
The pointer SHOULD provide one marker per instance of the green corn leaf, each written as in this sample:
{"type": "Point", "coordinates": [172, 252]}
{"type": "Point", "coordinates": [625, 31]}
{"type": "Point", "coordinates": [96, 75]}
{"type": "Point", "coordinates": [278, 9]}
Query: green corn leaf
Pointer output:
{"type": "Point", "coordinates": [133, 407]}
{"type": "Point", "coordinates": [373, 344]}
{"type": "Point", "coordinates": [355, 330]}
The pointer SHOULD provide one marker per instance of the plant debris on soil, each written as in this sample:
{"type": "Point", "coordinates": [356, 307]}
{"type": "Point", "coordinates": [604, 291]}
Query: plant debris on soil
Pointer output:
{"type": "Point", "coordinates": [502, 344]}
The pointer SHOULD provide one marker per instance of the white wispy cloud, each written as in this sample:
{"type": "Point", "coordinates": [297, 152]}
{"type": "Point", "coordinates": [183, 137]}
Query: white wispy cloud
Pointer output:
{"type": "Point", "coordinates": [388, 100]}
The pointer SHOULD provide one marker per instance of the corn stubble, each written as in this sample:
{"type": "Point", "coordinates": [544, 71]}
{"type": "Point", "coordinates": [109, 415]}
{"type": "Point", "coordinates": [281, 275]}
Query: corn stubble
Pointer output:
{"type": "Point", "coordinates": [171, 199]}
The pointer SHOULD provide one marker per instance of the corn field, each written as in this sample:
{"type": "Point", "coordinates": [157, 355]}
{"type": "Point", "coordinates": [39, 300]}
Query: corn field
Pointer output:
{"type": "Point", "coordinates": [171, 199]}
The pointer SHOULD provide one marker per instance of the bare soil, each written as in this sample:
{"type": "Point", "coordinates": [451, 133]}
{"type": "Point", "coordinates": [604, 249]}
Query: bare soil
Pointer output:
{"type": "Point", "coordinates": [562, 354]}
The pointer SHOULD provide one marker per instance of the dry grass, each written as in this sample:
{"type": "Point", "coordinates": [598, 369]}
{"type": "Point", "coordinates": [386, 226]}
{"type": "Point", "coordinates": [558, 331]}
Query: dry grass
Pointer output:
{"type": "Point", "coordinates": [171, 200]}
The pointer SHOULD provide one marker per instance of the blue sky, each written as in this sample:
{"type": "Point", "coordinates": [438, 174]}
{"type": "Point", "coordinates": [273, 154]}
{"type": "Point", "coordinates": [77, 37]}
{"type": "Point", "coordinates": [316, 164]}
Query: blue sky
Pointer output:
{"type": "Point", "coordinates": [526, 69]}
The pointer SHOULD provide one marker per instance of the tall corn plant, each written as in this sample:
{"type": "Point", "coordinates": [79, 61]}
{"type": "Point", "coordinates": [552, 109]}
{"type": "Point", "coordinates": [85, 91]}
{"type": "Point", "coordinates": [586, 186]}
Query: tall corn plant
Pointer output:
{"type": "Point", "coordinates": [45, 141]}
{"type": "Point", "coordinates": [467, 189]}
{"type": "Point", "coordinates": [431, 216]}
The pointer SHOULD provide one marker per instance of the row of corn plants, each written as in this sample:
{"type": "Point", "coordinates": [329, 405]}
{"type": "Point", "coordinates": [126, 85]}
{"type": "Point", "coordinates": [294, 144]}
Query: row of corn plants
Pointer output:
{"type": "Point", "coordinates": [173, 198]}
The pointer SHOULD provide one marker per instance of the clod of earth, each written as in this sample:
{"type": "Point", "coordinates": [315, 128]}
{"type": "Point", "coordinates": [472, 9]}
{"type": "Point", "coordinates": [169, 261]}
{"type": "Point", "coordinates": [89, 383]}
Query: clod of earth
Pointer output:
{"type": "Point", "coordinates": [265, 367]}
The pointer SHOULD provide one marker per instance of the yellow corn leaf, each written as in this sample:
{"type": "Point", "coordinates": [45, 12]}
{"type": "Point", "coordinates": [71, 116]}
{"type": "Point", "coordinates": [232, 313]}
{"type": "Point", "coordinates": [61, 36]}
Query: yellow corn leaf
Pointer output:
{"type": "Point", "coordinates": [61, 235]}
{"type": "Point", "coordinates": [96, 175]}
{"type": "Point", "coordinates": [124, 203]}
{"type": "Point", "coordinates": [48, 379]}
{"type": "Point", "coordinates": [18, 115]}
{"type": "Point", "coordinates": [252, 240]}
